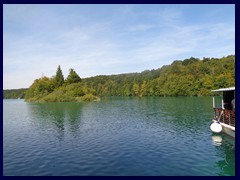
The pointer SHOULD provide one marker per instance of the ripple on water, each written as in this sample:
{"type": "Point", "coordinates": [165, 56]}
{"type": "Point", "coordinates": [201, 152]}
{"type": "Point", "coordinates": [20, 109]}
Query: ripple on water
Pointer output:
{"type": "Point", "coordinates": [117, 136]}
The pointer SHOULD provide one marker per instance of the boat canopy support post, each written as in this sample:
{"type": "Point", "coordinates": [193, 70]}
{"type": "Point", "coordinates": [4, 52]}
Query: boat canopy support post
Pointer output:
{"type": "Point", "coordinates": [213, 102]}
{"type": "Point", "coordinates": [222, 104]}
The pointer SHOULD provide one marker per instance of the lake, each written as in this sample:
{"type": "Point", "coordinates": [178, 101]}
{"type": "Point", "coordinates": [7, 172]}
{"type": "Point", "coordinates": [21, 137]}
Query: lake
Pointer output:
{"type": "Point", "coordinates": [150, 136]}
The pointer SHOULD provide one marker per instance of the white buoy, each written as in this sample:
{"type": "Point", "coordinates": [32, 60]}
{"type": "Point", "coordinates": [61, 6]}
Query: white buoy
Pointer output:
{"type": "Point", "coordinates": [216, 127]}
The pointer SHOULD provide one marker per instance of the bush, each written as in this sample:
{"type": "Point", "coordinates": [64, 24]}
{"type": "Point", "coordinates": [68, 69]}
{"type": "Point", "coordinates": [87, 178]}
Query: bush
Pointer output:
{"type": "Point", "coordinates": [87, 97]}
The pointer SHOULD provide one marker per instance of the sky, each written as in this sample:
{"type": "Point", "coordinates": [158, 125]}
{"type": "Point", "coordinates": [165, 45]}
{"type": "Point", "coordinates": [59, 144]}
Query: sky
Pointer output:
{"type": "Point", "coordinates": [109, 39]}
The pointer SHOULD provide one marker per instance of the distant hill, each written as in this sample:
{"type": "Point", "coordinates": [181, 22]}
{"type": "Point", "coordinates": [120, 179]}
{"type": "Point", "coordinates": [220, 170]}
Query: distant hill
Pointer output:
{"type": "Point", "coordinates": [14, 93]}
{"type": "Point", "coordinates": [189, 77]}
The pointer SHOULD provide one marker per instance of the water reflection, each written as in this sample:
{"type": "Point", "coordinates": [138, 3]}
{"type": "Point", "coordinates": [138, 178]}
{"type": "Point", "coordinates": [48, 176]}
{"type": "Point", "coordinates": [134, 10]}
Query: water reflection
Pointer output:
{"type": "Point", "coordinates": [188, 115]}
{"type": "Point", "coordinates": [59, 117]}
{"type": "Point", "coordinates": [217, 139]}
{"type": "Point", "coordinates": [121, 136]}
{"type": "Point", "coordinates": [225, 148]}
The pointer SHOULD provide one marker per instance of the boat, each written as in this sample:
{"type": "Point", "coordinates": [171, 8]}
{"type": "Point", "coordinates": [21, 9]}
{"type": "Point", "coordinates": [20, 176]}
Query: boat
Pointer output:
{"type": "Point", "coordinates": [224, 116]}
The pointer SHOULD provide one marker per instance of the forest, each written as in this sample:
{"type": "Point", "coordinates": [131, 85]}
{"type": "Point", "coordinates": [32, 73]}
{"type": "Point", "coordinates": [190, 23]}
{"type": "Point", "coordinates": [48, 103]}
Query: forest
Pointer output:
{"type": "Point", "coordinates": [14, 93]}
{"type": "Point", "coordinates": [188, 77]}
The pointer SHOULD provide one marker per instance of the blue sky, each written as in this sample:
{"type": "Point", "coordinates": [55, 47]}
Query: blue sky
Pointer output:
{"type": "Point", "coordinates": [109, 39]}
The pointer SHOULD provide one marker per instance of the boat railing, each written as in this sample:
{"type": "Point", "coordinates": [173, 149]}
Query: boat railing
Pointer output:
{"type": "Point", "coordinates": [224, 116]}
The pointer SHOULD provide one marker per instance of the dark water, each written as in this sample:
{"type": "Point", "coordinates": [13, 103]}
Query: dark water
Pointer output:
{"type": "Point", "coordinates": [116, 136]}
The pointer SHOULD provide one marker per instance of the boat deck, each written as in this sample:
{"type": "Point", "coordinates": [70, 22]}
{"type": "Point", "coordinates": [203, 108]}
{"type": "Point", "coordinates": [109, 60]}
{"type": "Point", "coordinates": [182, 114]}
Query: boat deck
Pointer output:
{"type": "Point", "coordinates": [226, 116]}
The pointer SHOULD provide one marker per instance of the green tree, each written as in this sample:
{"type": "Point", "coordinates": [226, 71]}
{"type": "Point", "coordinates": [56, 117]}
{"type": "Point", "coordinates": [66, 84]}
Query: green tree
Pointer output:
{"type": "Point", "coordinates": [136, 89]}
{"type": "Point", "coordinates": [73, 77]}
{"type": "Point", "coordinates": [59, 77]}
{"type": "Point", "coordinates": [40, 88]}
{"type": "Point", "coordinates": [143, 89]}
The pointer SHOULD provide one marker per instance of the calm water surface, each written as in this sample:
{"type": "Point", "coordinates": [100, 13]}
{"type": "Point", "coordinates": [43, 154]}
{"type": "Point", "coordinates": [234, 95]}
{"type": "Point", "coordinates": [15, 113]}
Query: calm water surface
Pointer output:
{"type": "Point", "coordinates": [116, 136]}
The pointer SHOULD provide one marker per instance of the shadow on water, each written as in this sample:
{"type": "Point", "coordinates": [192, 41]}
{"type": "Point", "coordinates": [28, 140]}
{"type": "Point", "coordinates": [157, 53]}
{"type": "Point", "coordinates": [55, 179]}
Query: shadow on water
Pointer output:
{"type": "Point", "coordinates": [59, 117]}
{"type": "Point", "coordinates": [225, 148]}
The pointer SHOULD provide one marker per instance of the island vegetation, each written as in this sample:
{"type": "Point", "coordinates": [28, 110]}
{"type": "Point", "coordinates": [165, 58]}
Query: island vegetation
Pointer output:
{"type": "Point", "coordinates": [190, 77]}
{"type": "Point", "coordinates": [56, 89]}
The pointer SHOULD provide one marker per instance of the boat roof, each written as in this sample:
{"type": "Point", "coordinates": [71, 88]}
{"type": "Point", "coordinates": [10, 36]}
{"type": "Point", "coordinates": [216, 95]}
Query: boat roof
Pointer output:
{"type": "Point", "coordinates": [224, 89]}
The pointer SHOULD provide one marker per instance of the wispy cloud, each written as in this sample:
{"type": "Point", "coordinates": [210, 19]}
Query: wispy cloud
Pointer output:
{"type": "Point", "coordinates": [140, 27]}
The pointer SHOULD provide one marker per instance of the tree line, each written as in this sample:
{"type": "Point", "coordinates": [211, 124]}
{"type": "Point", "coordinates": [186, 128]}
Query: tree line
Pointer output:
{"type": "Point", "coordinates": [14, 93]}
{"type": "Point", "coordinates": [190, 77]}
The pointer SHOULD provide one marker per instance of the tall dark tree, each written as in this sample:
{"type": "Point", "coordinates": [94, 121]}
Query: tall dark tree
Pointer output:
{"type": "Point", "coordinates": [73, 77]}
{"type": "Point", "coordinates": [59, 77]}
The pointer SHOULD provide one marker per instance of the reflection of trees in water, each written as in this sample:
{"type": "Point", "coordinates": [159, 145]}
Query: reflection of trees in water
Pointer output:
{"type": "Point", "coordinates": [227, 151]}
{"type": "Point", "coordinates": [57, 116]}
{"type": "Point", "coordinates": [73, 113]}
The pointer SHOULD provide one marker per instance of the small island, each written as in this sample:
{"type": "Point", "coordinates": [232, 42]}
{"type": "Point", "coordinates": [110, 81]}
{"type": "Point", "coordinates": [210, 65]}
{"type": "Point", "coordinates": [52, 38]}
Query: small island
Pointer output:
{"type": "Point", "coordinates": [56, 89]}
